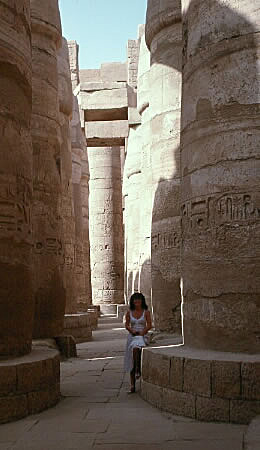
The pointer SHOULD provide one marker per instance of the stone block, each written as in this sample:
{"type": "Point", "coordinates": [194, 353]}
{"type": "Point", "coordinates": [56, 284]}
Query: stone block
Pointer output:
{"type": "Point", "coordinates": [180, 403]}
{"type": "Point", "coordinates": [176, 373]}
{"type": "Point", "coordinates": [146, 365]}
{"type": "Point", "coordinates": [114, 71]}
{"type": "Point", "coordinates": [212, 409]}
{"type": "Point", "coordinates": [250, 373]}
{"type": "Point", "coordinates": [159, 368]}
{"type": "Point", "coordinates": [242, 411]}
{"type": "Point", "coordinates": [107, 99]}
{"type": "Point", "coordinates": [7, 379]}
{"type": "Point", "coordinates": [226, 380]}
{"type": "Point", "coordinates": [13, 408]}
{"type": "Point", "coordinates": [30, 377]}
{"type": "Point", "coordinates": [152, 393]}
{"type": "Point", "coordinates": [43, 399]}
{"type": "Point", "coordinates": [197, 377]}
{"type": "Point", "coordinates": [106, 133]}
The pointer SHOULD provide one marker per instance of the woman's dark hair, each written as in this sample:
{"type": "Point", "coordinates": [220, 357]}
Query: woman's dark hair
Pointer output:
{"type": "Point", "coordinates": [137, 296]}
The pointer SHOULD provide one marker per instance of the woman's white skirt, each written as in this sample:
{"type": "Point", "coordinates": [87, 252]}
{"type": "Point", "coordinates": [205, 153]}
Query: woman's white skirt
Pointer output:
{"type": "Point", "coordinates": [132, 342]}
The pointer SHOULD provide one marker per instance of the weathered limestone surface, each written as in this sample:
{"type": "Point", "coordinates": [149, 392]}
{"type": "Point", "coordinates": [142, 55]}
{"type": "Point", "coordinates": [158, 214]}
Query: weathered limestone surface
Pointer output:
{"type": "Point", "coordinates": [106, 225]}
{"type": "Point", "coordinates": [164, 40]}
{"type": "Point", "coordinates": [143, 93]}
{"type": "Point", "coordinates": [132, 210]}
{"type": "Point", "coordinates": [86, 301]}
{"type": "Point", "coordinates": [221, 175]}
{"type": "Point", "coordinates": [77, 154]}
{"type": "Point", "coordinates": [16, 300]}
{"type": "Point", "coordinates": [67, 210]}
{"type": "Point", "coordinates": [49, 289]}
{"type": "Point", "coordinates": [74, 63]}
{"type": "Point", "coordinates": [102, 133]}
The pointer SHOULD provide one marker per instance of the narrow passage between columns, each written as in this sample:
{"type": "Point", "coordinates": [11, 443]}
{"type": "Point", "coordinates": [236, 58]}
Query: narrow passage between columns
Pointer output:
{"type": "Point", "coordinates": [97, 413]}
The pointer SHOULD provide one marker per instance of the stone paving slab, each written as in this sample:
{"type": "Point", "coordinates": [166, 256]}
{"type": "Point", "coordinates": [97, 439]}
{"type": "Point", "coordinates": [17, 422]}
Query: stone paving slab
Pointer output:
{"type": "Point", "coordinates": [97, 413]}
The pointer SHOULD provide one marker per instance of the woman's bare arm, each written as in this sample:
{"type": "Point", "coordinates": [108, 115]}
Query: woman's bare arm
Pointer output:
{"type": "Point", "coordinates": [148, 323]}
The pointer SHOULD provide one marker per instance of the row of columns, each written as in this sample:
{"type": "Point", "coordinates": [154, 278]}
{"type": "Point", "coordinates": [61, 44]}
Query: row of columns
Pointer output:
{"type": "Point", "coordinates": [44, 245]}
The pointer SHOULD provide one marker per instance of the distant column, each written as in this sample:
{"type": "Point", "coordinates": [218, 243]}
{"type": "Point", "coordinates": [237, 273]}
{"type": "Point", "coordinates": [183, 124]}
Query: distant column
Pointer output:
{"type": "Point", "coordinates": [16, 299]}
{"type": "Point", "coordinates": [106, 225]}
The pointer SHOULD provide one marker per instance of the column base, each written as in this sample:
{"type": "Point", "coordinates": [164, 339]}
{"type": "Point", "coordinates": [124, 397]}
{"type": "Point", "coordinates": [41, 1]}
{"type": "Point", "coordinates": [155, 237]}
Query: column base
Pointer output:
{"type": "Point", "coordinates": [203, 385]}
{"type": "Point", "coordinates": [79, 326]}
{"type": "Point", "coordinates": [29, 384]}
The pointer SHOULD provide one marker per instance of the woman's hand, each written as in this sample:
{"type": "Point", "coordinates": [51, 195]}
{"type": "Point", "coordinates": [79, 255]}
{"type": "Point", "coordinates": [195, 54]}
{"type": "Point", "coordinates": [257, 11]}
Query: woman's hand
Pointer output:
{"type": "Point", "coordinates": [135, 333]}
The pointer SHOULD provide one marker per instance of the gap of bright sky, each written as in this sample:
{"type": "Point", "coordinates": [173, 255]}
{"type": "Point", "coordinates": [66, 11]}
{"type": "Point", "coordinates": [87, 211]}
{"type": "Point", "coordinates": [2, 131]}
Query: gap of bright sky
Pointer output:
{"type": "Point", "coordinates": [101, 27]}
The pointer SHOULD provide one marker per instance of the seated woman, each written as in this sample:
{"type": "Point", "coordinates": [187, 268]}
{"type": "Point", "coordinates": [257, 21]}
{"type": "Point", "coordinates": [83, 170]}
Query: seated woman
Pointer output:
{"type": "Point", "coordinates": [138, 323]}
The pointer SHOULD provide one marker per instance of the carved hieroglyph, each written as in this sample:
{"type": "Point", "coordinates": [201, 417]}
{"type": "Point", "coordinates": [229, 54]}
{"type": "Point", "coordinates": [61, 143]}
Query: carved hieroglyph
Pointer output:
{"type": "Point", "coordinates": [67, 210]}
{"type": "Point", "coordinates": [47, 222]}
{"type": "Point", "coordinates": [16, 300]}
{"type": "Point", "coordinates": [164, 40]}
{"type": "Point", "coordinates": [221, 175]}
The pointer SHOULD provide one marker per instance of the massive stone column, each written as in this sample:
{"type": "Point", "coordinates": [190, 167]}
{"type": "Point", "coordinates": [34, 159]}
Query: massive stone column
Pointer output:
{"type": "Point", "coordinates": [133, 207]}
{"type": "Point", "coordinates": [143, 99]}
{"type": "Point", "coordinates": [47, 222]}
{"type": "Point", "coordinates": [16, 299]}
{"type": "Point", "coordinates": [77, 154]}
{"type": "Point", "coordinates": [221, 175]}
{"type": "Point", "coordinates": [85, 230]}
{"type": "Point", "coordinates": [132, 177]}
{"type": "Point", "coordinates": [106, 225]}
{"type": "Point", "coordinates": [67, 210]}
{"type": "Point", "coordinates": [164, 40]}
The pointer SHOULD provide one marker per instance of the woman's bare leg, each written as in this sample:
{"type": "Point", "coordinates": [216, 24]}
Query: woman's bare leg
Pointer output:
{"type": "Point", "coordinates": [132, 380]}
{"type": "Point", "coordinates": [137, 360]}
